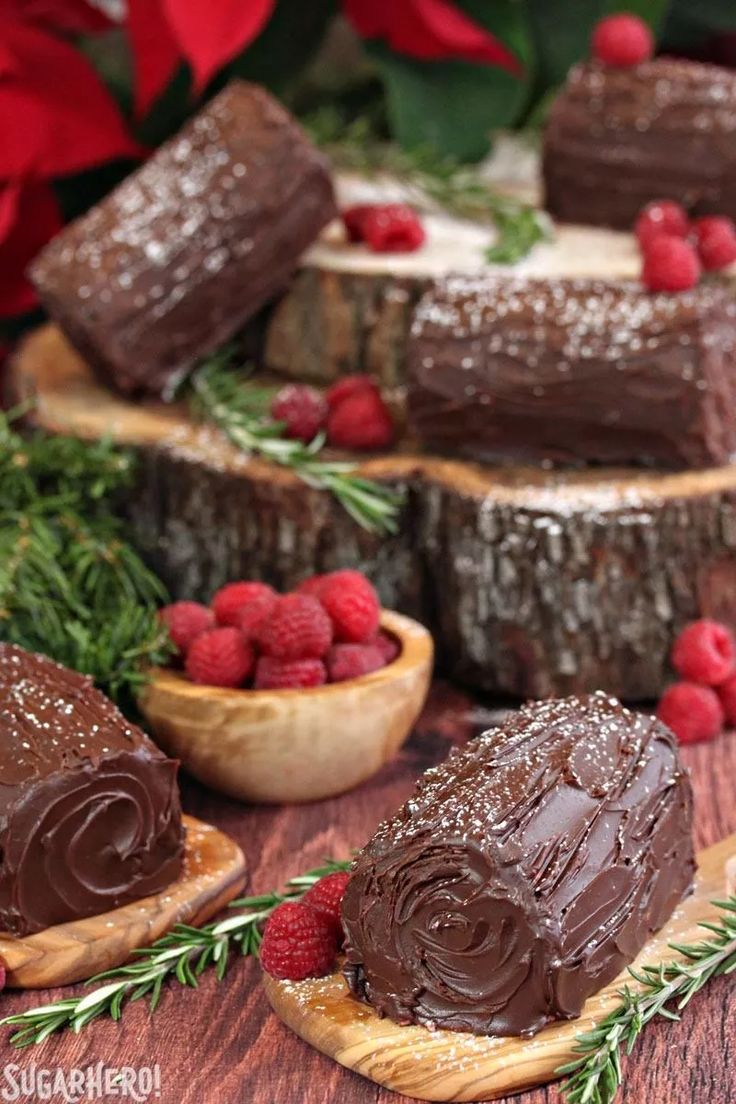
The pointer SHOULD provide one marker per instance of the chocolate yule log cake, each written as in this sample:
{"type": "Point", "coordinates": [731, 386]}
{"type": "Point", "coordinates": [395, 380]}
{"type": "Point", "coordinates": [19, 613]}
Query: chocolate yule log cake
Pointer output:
{"type": "Point", "coordinates": [574, 371]}
{"type": "Point", "coordinates": [524, 873]}
{"type": "Point", "coordinates": [172, 263]}
{"type": "Point", "coordinates": [89, 808]}
{"type": "Point", "coordinates": [618, 138]}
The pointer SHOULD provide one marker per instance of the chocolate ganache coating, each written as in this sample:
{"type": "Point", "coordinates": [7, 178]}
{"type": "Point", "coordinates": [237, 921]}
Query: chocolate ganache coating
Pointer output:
{"type": "Point", "coordinates": [574, 372]}
{"type": "Point", "coordinates": [190, 246]}
{"type": "Point", "coordinates": [89, 808]}
{"type": "Point", "coordinates": [525, 872]}
{"type": "Point", "coordinates": [619, 138]}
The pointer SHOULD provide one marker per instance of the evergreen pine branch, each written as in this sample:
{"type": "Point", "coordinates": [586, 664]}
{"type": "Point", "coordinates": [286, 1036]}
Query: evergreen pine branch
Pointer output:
{"type": "Point", "coordinates": [595, 1075]}
{"type": "Point", "coordinates": [428, 175]}
{"type": "Point", "coordinates": [240, 410]}
{"type": "Point", "coordinates": [182, 956]}
{"type": "Point", "coordinates": [70, 584]}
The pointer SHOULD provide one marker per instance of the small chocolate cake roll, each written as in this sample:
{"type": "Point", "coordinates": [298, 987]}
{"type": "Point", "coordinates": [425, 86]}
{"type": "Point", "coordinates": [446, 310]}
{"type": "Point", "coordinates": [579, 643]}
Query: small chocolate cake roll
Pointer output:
{"type": "Point", "coordinates": [89, 808]}
{"type": "Point", "coordinates": [619, 138]}
{"type": "Point", "coordinates": [525, 872]}
{"type": "Point", "coordinates": [574, 372]}
{"type": "Point", "coordinates": [173, 262]}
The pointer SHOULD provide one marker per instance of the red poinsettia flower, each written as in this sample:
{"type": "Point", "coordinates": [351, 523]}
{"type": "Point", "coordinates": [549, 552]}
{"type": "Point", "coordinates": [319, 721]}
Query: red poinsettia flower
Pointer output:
{"type": "Point", "coordinates": [165, 32]}
{"type": "Point", "coordinates": [429, 30]}
{"type": "Point", "coordinates": [68, 16]}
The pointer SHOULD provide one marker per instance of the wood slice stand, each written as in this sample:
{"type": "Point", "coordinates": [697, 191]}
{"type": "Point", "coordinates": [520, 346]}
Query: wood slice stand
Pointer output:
{"type": "Point", "coordinates": [533, 583]}
{"type": "Point", "coordinates": [450, 1065]}
{"type": "Point", "coordinates": [213, 874]}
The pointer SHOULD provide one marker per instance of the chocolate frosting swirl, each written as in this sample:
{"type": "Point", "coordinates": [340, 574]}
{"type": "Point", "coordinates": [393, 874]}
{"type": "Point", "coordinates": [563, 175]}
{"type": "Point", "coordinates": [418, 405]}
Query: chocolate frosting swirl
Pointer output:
{"type": "Point", "coordinates": [524, 873]}
{"type": "Point", "coordinates": [89, 808]}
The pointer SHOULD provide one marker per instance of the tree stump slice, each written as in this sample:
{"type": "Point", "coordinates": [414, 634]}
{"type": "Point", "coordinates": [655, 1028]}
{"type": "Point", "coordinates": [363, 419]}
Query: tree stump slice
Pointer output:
{"type": "Point", "coordinates": [533, 582]}
{"type": "Point", "coordinates": [213, 874]}
{"type": "Point", "coordinates": [455, 1066]}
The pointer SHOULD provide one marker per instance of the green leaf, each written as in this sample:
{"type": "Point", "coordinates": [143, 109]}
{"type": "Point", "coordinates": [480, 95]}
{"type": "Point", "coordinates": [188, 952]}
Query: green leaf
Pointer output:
{"type": "Point", "coordinates": [450, 105]}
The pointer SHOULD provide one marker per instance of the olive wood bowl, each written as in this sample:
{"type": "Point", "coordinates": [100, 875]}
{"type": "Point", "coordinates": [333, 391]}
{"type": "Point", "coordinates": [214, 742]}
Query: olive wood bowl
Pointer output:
{"type": "Point", "coordinates": [284, 746]}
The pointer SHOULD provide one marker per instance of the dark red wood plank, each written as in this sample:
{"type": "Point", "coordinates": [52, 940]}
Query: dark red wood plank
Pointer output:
{"type": "Point", "coordinates": [223, 1044]}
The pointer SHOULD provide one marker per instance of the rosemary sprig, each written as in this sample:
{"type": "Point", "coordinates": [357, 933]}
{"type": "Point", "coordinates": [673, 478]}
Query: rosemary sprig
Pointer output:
{"type": "Point", "coordinates": [428, 175]}
{"type": "Point", "coordinates": [183, 955]}
{"type": "Point", "coordinates": [70, 584]}
{"type": "Point", "coordinates": [595, 1076]}
{"type": "Point", "coordinates": [240, 410]}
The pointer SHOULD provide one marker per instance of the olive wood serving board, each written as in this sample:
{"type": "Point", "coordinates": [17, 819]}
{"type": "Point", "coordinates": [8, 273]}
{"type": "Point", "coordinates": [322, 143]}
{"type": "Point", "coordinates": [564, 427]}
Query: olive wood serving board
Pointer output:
{"type": "Point", "coordinates": [213, 874]}
{"type": "Point", "coordinates": [452, 1066]}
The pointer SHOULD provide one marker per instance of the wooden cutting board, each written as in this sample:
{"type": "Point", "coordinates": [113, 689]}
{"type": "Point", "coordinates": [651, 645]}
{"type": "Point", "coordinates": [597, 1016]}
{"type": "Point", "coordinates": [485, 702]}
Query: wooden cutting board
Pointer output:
{"type": "Point", "coordinates": [452, 1066]}
{"type": "Point", "coordinates": [213, 874]}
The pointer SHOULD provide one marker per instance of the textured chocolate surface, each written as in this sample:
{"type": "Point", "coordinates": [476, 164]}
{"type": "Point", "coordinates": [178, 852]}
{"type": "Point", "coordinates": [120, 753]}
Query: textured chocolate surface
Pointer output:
{"type": "Point", "coordinates": [524, 873]}
{"type": "Point", "coordinates": [574, 371]}
{"type": "Point", "coordinates": [618, 138]}
{"type": "Point", "coordinates": [173, 262]}
{"type": "Point", "coordinates": [89, 807]}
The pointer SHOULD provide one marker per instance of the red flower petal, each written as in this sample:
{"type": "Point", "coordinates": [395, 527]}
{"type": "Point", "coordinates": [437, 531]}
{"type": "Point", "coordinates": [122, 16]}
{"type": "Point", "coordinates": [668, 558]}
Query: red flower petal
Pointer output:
{"type": "Point", "coordinates": [430, 30]}
{"type": "Point", "coordinates": [156, 53]}
{"type": "Point", "coordinates": [69, 16]}
{"type": "Point", "coordinates": [212, 34]}
{"type": "Point", "coordinates": [56, 115]}
{"type": "Point", "coordinates": [29, 216]}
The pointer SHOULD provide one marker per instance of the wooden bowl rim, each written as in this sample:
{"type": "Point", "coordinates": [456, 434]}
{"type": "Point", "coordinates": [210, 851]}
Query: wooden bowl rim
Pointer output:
{"type": "Point", "coordinates": [417, 648]}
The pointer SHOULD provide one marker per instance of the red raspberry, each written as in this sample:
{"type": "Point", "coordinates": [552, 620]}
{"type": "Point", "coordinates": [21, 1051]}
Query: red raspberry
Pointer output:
{"type": "Point", "coordinates": [298, 628]}
{"type": "Point", "coordinates": [289, 674]}
{"type": "Point", "coordinates": [347, 386]}
{"type": "Point", "coordinates": [392, 228]}
{"type": "Point", "coordinates": [388, 646]}
{"type": "Point", "coordinates": [185, 621]}
{"type": "Point", "coordinates": [360, 421]}
{"type": "Point", "coordinates": [297, 943]}
{"type": "Point", "coordinates": [311, 586]}
{"type": "Point", "coordinates": [693, 712]}
{"type": "Point", "coordinates": [351, 661]}
{"type": "Point", "coordinates": [230, 599]}
{"type": "Point", "coordinates": [663, 216]}
{"type": "Point", "coordinates": [353, 218]}
{"type": "Point", "coordinates": [716, 241]}
{"type": "Point", "coordinates": [705, 651]}
{"type": "Point", "coordinates": [727, 694]}
{"type": "Point", "coordinates": [325, 897]}
{"type": "Point", "coordinates": [622, 40]}
{"type": "Point", "coordinates": [302, 410]}
{"type": "Point", "coordinates": [353, 606]}
{"type": "Point", "coordinates": [253, 614]}
{"type": "Point", "coordinates": [220, 657]}
{"type": "Point", "coordinates": [670, 264]}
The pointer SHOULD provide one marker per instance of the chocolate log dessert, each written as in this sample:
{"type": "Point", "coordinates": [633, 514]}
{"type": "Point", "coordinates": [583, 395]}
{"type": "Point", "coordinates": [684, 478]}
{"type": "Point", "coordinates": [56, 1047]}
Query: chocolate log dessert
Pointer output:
{"type": "Point", "coordinates": [574, 372]}
{"type": "Point", "coordinates": [525, 872]}
{"type": "Point", "coordinates": [618, 138]}
{"type": "Point", "coordinates": [89, 807]}
{"type": "Point", "coordinates": [174, 261]}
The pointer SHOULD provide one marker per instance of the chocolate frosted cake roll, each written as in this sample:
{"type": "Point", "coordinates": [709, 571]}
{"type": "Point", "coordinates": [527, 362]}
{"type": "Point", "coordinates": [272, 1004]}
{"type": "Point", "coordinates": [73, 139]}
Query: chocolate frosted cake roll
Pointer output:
{"type": "Point", "coordinates": [525, 872]}
{"type": "Point", "coordinates": [172, 263]}
{"type": "Point", "coordinates": [574, 372]}
{"type": "Point", "coordinates": [618, 138]}
{"type": "Point", "coordinates": [89, 807]}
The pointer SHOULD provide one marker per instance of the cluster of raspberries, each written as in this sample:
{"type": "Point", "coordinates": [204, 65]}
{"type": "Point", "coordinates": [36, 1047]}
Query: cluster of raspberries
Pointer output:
{"type": "Point", "coordinates": [301, 938]}
{"type": "Point", "coordinates": [698, 707]}
{"type": "Point", "coordinates": [327, 630]}
{"type": "Point", "coordinates": [351, 414]}
{"type": "Point", "coordinates": [384, 227]}
{"type": "Point", "coordinates": [676, 250]}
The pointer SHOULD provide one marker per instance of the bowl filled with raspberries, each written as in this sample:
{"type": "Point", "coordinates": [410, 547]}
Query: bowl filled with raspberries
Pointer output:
{"type": "Point", "coordinates": [288, 697]}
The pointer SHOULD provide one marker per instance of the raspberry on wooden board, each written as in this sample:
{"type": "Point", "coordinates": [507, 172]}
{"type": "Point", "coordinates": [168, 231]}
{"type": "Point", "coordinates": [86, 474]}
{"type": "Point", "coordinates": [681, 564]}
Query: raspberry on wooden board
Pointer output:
{"type": "Point", "coordinates": [705, 651]}
{"type": "Point", "coordinates": [693, 712]}
{"type": "Point", "coordinates": [298, 942]}
{"type": "Point", "coordinates": [622, 40]}
{"type": "Point", "coordinates": [670, 264]}
{"type": "Point", "coordinates": [325, 897]}
{"type": "Point", "coordinates": [662, 216]}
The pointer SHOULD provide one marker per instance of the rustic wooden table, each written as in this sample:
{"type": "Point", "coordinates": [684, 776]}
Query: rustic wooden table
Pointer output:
{"type": "Point", "coordinates": [222, 1044]}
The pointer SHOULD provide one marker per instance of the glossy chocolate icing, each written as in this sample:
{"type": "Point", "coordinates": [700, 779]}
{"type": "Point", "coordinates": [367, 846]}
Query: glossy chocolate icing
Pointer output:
{"type": "Point", "coordinates": [191, 245]}
{"type": "Point", "coordinates": [524, 873]}
{"type": "Point", "coordinates": [618, 138]}
{"type": "Point", "coordinates": [89, 807]}
{"type": "Point", "coordinates": [574, 372]}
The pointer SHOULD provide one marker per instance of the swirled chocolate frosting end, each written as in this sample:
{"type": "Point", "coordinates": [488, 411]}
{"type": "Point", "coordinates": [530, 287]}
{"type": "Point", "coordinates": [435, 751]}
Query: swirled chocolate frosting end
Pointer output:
{"type": "Point", "coordinates": [525, 872]}
{"type": "Point", "coordinates": [89, 808]}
